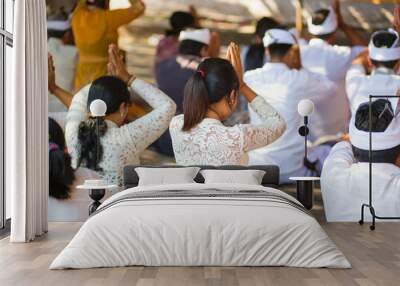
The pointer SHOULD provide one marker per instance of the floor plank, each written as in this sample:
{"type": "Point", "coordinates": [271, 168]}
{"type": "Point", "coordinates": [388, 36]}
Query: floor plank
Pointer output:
{"type": "Point", "coordinates": [375, 257]}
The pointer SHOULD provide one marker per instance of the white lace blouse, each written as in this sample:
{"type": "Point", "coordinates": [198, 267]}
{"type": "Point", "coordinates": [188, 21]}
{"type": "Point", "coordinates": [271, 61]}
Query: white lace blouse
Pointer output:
{"type": "Point", "coordinates": [121, 145]}
{"type": "Point", "coordinates": [212, 143]}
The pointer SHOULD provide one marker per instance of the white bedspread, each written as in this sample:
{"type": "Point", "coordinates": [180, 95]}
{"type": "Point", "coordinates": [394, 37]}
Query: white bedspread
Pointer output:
{"type": "Point", "coordinates": [200, 231]}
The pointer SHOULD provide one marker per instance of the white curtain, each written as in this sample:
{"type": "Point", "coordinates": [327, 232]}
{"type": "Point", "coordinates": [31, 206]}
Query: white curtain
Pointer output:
{"type": "Point", "coordinates": [26, 123]}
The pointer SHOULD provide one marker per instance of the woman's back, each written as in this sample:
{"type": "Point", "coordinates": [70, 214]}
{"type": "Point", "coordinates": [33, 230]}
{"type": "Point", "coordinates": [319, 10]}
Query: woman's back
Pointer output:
{"type": "Point", "coordinates": [209, 143]}
{"type": "Point", "coordinates": [211, 95]}
{"type": "Point", "coordinates": [212, 143]}
{"type": "Point", "coordinates": [120, 145]}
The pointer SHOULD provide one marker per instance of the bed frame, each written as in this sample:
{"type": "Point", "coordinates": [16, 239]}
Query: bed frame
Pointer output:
{"type": "Point", "coordinates": [271, 177]}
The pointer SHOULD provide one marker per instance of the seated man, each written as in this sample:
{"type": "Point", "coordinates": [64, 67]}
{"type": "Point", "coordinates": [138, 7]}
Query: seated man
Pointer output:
{"type": "Point", "coordinates": [65, 56]}
{"type": "Point", "coordinates": [168, 46]}
{"type": "Point", "coordinates": [253, 56]}
{"type": "Point", "coordinates": [283, 83]}
{"type": "Point", "coordinates": [172, 74]}
{"type": "Point", "coordinates": [323, 56]}
{"type": "Point", "coordinates": [344, 180]}
{"type": "Point", "coordinates": [382, 60]}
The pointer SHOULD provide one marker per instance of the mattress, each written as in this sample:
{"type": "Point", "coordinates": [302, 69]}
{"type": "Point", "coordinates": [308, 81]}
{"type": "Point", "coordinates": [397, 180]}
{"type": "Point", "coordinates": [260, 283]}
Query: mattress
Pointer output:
{"type": "Point", "coordinates": [201, 225]}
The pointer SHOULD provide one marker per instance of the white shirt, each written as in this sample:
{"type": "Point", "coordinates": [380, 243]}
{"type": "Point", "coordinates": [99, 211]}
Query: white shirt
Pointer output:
{"type": "Point", "coordinates": [360, 86]}
{"type": "Point", "coordinates": [121, 145]}
{"type": "Point", "coordinates": [332, 61]}
{"type": "Point", "coordinates": [283, 88]}
{"type": "Point", "coordinates": [345, 186]}
{"type": "Point", "coordinates": [65, 59]}
{"type": "Point", "coordinates": [212, 143]}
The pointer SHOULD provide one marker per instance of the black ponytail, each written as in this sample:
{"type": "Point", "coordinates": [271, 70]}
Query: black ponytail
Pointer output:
{"type": "Point", "coordinates": [61, 174]}
{"type": "Point", "coordinates": [214, 79]}
{"type": "Point", "coordinates": [113, 91]}
{"type": "Point", "coordinates": [91, 152]}
{"type": "Point", "coordinates": [195, 102]}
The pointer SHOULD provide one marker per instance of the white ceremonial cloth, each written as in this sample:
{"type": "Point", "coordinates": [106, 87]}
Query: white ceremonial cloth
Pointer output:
{"type": "Point", "coordinates": [283, 88]}
{"type": "Point", "coordinates": [344, 186]}
{"type": "Point", "coordinates": [360, 86]}
{"type": "Point", "coordinates": [332, 61]}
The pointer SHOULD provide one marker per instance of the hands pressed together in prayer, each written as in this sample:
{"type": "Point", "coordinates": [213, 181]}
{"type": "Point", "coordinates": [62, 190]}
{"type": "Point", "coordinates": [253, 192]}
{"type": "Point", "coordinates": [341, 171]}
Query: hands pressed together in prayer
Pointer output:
{"type": "Point", "coordinates": [64, 96]}
{"type": "Point", "coordinates": [233, 56]}
{"type": "Point", "coordinates": [116, 66]}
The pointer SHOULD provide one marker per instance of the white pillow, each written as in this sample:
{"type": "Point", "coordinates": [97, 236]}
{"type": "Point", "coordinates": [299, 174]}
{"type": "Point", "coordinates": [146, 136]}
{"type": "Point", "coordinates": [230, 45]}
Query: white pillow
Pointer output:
{"type": "Point", "coordinates": [246, 177]}
{"type": "Point", "coordinates": [166, 176]}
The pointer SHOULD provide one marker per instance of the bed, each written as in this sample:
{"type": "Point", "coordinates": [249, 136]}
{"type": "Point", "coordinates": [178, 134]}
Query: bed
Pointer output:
{"type": "Point", "coordinates": [197, 224]}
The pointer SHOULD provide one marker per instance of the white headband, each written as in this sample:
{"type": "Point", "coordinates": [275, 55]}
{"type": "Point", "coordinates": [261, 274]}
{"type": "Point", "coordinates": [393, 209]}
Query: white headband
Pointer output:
{"type": "Point", "coordinates": [199, 35]}
{"type": "Point", "coordinates": [58, 25]}
{"type": "Point", "coordinates": [384, 53]}
{"type": "Point", "coordinates": [278, 36]}
{"type": "Point", "coordinates": [380, 140]}
{"type": "Point", "coordinates": [329, 26]}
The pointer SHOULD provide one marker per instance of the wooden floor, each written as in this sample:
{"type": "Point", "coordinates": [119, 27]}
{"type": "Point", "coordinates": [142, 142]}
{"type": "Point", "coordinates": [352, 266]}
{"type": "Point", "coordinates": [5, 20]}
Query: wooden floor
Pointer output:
{"type": "Point", "coordinates": [375, 257]}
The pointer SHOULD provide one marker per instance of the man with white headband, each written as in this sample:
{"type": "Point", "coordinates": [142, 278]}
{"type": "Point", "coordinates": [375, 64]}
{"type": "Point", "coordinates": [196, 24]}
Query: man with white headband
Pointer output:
{"type": "Point", "coordinates": [60, 45]}
{"type": "Point", "coordinates": [374, 71]}
{"type": "Point", "coordinates": [344, 180]}
{"type": "Point", "coordinates": [283, 83]}
{"type": "Point", "coordinates": [172, 74]}
{"type": "Point", "coordinates": [322, 56]}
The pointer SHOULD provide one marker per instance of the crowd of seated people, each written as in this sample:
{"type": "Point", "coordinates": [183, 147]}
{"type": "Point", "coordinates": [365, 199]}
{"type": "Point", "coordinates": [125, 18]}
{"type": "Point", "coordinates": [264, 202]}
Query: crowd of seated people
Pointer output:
{"type": "Point", "coordinates": [323, 56]}
{"type": "Point", "coordinates": [197, 91]}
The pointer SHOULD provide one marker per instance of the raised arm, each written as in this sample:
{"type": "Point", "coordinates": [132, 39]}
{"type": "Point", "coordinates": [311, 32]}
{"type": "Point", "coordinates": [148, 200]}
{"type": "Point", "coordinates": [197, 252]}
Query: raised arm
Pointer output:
{"type": "Point", "coordinates": [299, 18]}
{"type": "Point", "coordinates": [354, 37]}
{"type": "Point", "coordinates": [148, 128]}
{"type": "Point", "coordinates": [64, 96]}
{"type": "Point", "coordinates": [273, 125]}
{"type": "Point", "coordinates": [119, 17]}
{"type": "Point", "coordinates": [271, 128]}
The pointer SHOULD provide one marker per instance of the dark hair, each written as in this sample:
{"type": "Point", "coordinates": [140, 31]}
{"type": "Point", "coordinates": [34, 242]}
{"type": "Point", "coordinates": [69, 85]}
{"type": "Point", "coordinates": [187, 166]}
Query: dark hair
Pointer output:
{"type": "Point", "coordinates": [382, 116]}
{"type": "Point", "coordinates": [279, 50]}
{"type": "Point", "coordinates": [179, 21]}
{"type": "Point", "coordinates": [214, 80]}
{"type": "Point", "coordinates": [264, 24]}
{"type": "Point", "coordinates": [256, 54]}
{"type": "Point", "coordinates": [61, 174]}
{"type": "Point", "coordinates": [384, 39]}
{"type": "Point", "coordinates": [192, 48]}
{"type": "Point", "coordinates": [103, 4]}
{"type": "Point", "coordinates": [383, 156]}
{"type": "Point", "coordinates": [55, 34]}
{"type": "Point", "coordinates": [113, 92]}
{"type": "Point", "coordinates": [318, 18]}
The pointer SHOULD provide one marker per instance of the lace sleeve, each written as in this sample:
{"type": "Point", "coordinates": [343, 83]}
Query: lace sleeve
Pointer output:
{"type": "Point", "coordinates": [148, 128]}
{"type": "Point", "coordinates": [271, 128]}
